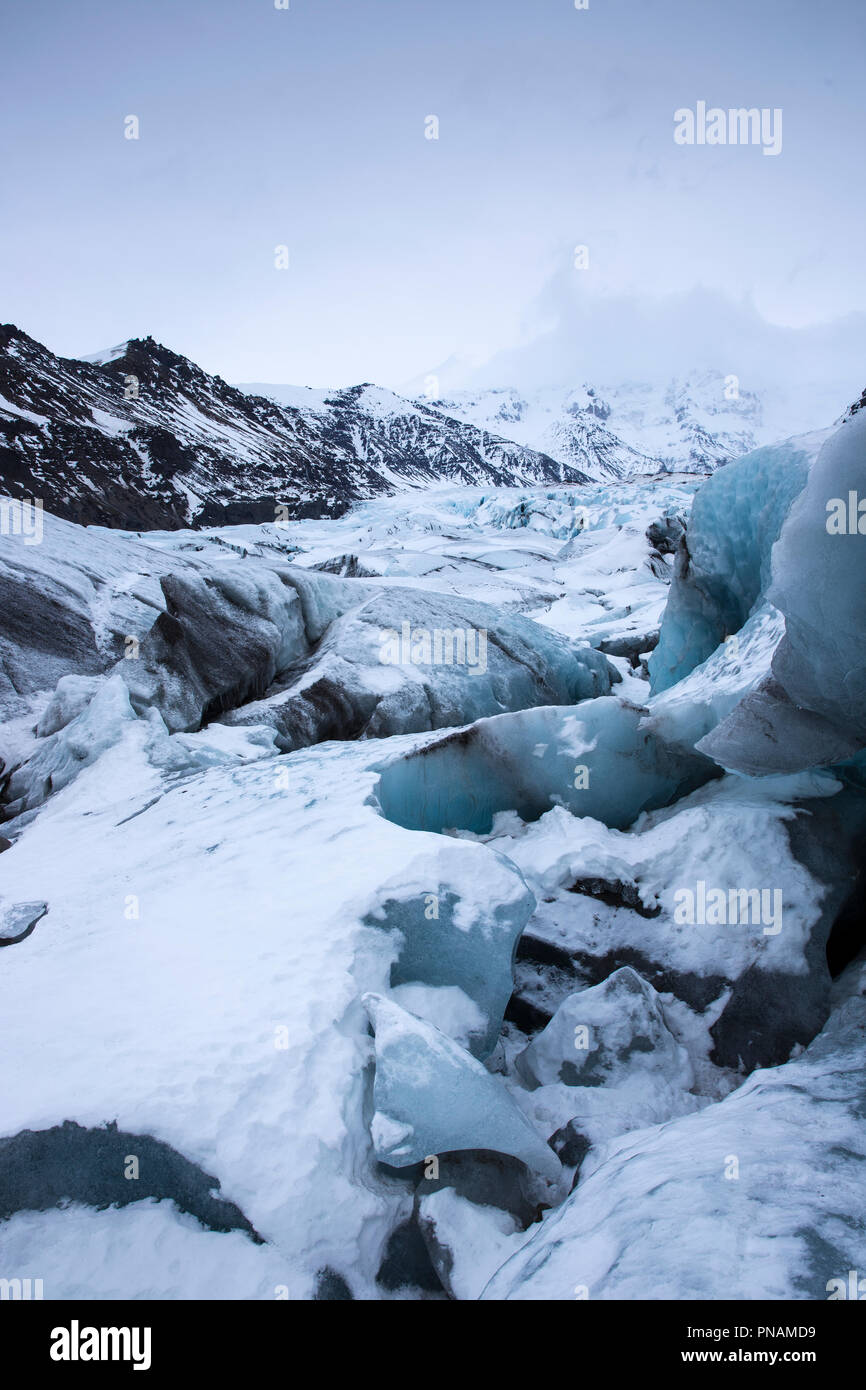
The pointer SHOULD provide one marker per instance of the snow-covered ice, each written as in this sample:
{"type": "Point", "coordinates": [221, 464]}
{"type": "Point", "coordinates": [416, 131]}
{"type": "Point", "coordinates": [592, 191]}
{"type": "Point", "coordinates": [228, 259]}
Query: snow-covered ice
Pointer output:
{"type": "Point", "coordinates": [395, 949]}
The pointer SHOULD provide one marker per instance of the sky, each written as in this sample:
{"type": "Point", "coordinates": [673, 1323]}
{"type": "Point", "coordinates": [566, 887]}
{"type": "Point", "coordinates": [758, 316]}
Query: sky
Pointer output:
{"type": "Point", "coordinates": [306, 128]}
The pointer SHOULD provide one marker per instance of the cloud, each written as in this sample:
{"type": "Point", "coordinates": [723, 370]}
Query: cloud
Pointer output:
{"type": "Point", "coordinates": [573, 336]}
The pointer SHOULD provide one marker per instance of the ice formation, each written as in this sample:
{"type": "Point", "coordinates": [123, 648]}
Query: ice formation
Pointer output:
{"type": "Point", "coordinates": [811, 711]}
{"type": "Point", "coordinates": [596, 759]}
{"type": "Point", "coordinates": [604, 1034]}
{"type": "Point", "coordinates": [724, 1204]}
{"type": "Point", "coordinates": [448, 937]}
{"type": "Point", "coordinates": [431, 1097]}
{"type": "Point", "coordinates": [406, 661]}
{"type": "Point", "coordinates": [724, 564]}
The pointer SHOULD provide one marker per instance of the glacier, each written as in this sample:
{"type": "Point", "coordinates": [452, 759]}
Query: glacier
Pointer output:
{"type": "Point", "coordinates": [421, 978]}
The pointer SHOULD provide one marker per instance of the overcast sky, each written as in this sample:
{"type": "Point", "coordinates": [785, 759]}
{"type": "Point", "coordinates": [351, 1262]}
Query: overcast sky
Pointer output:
{"type": "Point", "coordinates": [261, 127]}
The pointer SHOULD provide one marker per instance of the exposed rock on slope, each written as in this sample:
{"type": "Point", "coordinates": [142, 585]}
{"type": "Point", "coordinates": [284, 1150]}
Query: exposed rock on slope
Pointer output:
{"type": "Point", "coordinates": [146, 439]}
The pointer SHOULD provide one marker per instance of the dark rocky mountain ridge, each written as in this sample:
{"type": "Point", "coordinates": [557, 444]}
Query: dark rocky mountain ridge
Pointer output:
{"type": "Point", "coordinates": [147, 440]}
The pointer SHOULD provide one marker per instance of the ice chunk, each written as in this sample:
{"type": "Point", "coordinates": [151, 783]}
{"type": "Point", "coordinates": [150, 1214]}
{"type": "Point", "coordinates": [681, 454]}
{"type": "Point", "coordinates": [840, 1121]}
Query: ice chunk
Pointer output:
{"type": "Point", "coordinates": [819, 583]}
{"type": "Point", "coordinates": [61, 756]}
{"type": "Point", "coordinates": [432, 1097]}
{"type": "Point", "coordinates": [82, 738]}
{"type": "Point", "coordinates": [17, 920]}
{"type": "Point", "coordinates": [458, 913]}
{"type": "Point", "coordinates": [220, 642]}
{"type": "Point", "coordinates": [767, 734]}
{"type": "Point", "coordinates": [607, 1063]}
{"type": "Point", "coordinates": [605, 1035]}
{"type": "Point", "coordinates": [72, 696]}
{"type": "Point", "coordinates": [684, 713]}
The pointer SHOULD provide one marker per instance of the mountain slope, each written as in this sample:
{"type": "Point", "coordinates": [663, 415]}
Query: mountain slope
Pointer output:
{"type": "Point", "coordinates": [142, 438]}
{"type": "Point", "coordinates": [617, 433]}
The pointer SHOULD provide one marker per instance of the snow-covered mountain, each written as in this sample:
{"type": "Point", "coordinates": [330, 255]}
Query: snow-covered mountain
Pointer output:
{"type": "Point", "coordinates": [139, 437]}
{"type": "Point", "coordinates": [623, 384]}
{"type": "Point", "coordinates": [694, 423]}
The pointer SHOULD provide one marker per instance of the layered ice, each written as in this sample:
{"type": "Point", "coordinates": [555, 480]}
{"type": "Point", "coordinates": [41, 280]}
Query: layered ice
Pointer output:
{"type": "Point", "coordinates": [723, 565]}
{"type": "Point", "coordinates": [595, 759]}
{"type": "Point", "coordinates": [407, 661]}
{"type": "Point", "coordinates": [811, 711]}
